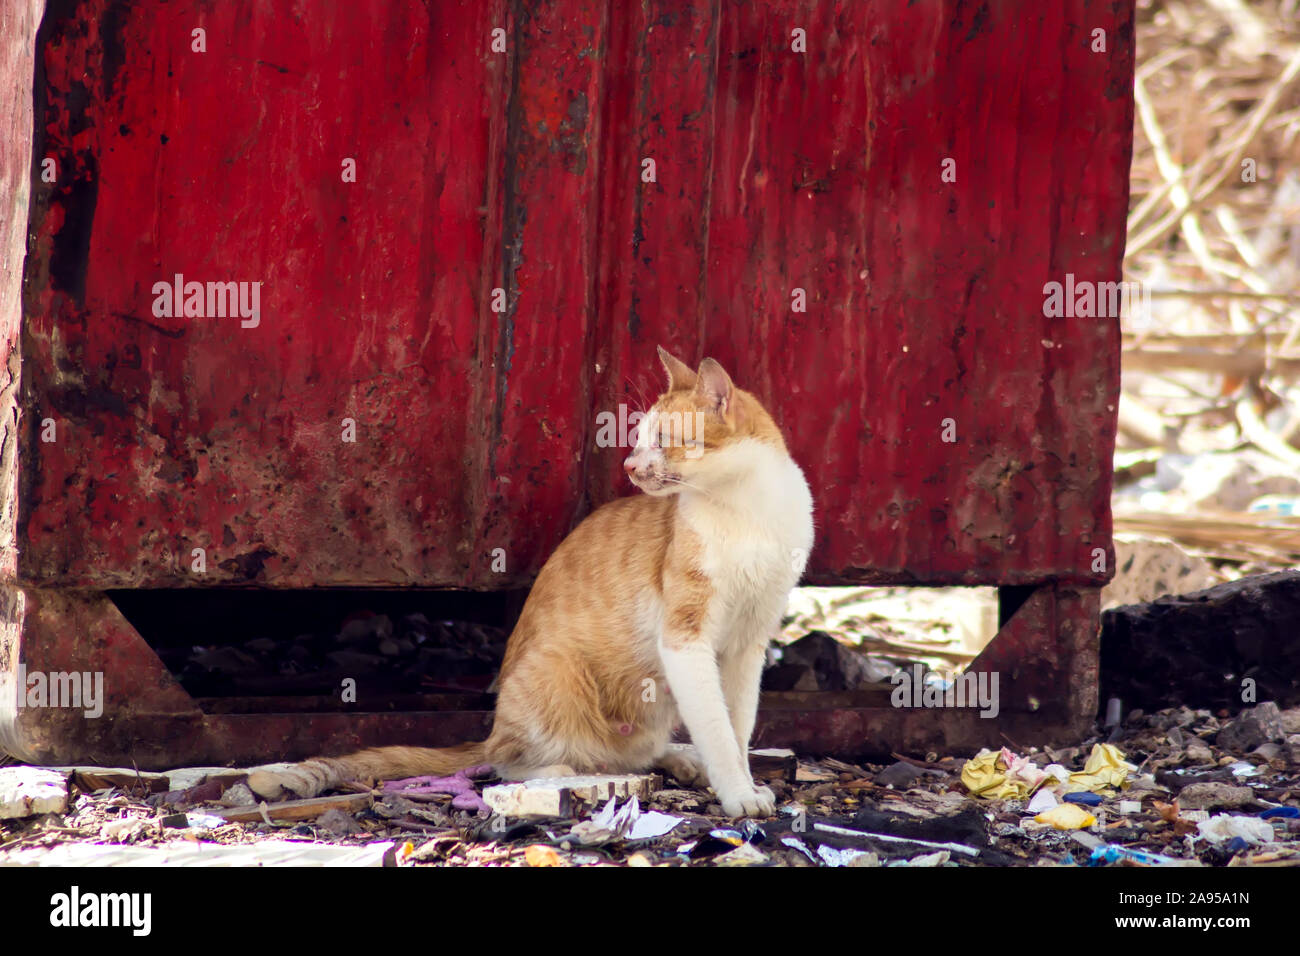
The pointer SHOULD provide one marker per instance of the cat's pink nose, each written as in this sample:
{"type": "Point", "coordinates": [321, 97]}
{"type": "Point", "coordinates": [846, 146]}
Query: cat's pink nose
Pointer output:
{"type": "Point", "coordinates": [629, 466]}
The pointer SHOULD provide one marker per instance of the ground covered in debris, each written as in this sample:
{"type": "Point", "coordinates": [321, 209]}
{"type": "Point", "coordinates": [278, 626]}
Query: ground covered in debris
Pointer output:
{"type": "Point", "coordinates": [1179, 787]}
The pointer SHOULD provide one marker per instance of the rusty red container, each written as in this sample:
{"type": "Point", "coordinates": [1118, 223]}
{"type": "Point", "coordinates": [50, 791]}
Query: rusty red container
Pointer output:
{"type": "Point", "coordinates": [464, 229]}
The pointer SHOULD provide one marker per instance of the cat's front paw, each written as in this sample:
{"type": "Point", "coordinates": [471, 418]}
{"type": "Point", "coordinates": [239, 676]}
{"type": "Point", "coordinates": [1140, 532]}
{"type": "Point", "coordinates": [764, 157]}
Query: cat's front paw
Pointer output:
{"type": "Point", "coordinates": [754, 802]}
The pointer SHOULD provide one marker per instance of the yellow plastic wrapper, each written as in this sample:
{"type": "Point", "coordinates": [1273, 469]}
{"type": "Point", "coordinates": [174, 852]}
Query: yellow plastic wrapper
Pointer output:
{"type": "Point", "coordinates": [985, 776]}
{"type": "Point", "coordinates": [1105, 768]}
{"type": "Point", "coordinates": [1067, 816]}
{"type": "Point", "coordinates": [1001, 775]}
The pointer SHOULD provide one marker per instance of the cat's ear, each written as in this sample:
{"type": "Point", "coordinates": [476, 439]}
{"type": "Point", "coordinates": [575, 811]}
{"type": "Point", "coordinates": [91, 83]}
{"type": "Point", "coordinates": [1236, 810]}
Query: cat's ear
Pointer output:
{"type": "Point", "coordinates": [714, 386]}
{"type": "Point", "coordinates": [680, 375]}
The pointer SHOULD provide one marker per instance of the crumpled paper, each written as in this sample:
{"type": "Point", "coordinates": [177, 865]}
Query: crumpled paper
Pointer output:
{"type": "Point", "coordinates": [628, 823]}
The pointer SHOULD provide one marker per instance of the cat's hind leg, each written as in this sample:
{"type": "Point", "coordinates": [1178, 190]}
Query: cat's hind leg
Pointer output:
{"type": "Point", "coordinates": [685, 765]}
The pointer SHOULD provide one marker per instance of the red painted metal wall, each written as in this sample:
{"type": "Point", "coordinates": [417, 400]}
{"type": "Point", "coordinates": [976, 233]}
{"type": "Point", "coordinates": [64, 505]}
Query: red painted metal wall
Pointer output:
{"type": "Point", "coordinates": [522, 170]}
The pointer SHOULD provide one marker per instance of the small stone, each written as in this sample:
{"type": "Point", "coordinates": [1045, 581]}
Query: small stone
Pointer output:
{"type": "Point", "coordinates": [238, 796]}
{"type": "Point", "coordinates": [925, 860]}
{"type": "Point", "coordinates": [1206, 796]}
{"type": "Point", "coordinates": [125, 830]}
{"type": "Point", "coordinates": [338, 823]}
{"type": "Point", "coordinates": [868, 859]}
{"type": "Point", "coordinates": [1253, 726]}
{"type": "Point", "coordinates": [1291, 720]}
{"type": "Point", "coordinates": [807, 774]}
{"type": "Point", "coordinates": [1198, 752]}
{"type": "Point", "coordinates": [899, 775]}
{"type": "Point", "coordinates": [744, 855]}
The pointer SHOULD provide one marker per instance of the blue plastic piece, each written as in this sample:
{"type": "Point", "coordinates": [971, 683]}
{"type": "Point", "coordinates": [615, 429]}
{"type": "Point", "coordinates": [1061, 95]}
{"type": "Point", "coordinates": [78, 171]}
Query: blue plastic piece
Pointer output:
{"type": "Point", "coordinates": [1281, 812]}
{"type": "Point", "coordinates": [1087, 799]}
{"type": "Point", "coordinates": [1110, 853]}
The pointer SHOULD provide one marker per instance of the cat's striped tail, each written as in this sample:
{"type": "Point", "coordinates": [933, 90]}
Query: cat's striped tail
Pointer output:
{"type": "Point", "coordinates": [310, 777]}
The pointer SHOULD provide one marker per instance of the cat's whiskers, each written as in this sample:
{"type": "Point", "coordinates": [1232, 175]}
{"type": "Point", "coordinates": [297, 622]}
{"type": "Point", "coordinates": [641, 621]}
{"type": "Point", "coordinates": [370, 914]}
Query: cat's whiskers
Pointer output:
{"type": "Point", "coordinates": [640, 395]}
{"type": "Point", "coordinates": [674, 480]}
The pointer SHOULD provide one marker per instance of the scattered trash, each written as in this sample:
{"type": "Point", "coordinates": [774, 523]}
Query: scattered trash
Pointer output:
{"type": "Point", "coordinates": [832, 813]}
{"type": "Point", "coordinates": [629, 823]}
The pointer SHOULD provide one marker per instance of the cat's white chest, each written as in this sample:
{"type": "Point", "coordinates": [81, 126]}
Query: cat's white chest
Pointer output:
{"type": "Point", "coordinates": [754, 548]}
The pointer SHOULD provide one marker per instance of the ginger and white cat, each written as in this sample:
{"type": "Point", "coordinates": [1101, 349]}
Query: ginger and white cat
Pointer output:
{"type": "Point", "coordinates": [656, 610]}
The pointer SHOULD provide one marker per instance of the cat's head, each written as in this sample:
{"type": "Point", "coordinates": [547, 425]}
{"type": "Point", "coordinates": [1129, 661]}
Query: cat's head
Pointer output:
{"type": "Point", "coordinates": [702, 433]}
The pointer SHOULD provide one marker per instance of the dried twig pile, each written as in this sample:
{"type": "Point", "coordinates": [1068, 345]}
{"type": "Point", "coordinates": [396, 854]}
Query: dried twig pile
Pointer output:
{"type": "Point", "coordinates": [1214, 238]}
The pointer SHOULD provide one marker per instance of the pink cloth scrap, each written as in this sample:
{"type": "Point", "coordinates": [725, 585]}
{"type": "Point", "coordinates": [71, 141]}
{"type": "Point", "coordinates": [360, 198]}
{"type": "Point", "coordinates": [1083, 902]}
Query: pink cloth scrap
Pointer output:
{"type": "Point", "coordinates": [459, 784]}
